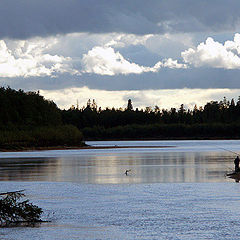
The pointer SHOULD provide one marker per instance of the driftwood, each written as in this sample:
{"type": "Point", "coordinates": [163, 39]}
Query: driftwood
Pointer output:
{"type": "Point", "coordinates": [14, 211]}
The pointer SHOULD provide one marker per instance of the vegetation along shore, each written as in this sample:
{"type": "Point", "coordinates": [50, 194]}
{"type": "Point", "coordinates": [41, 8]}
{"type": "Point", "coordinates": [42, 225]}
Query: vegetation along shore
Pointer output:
{"type": "Point", "coordinates": [28, 121]}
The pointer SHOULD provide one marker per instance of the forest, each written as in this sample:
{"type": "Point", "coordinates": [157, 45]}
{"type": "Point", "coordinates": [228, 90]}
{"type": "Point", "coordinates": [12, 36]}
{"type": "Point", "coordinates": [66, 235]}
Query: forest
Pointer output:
{"type": "Point", "coordinates": [214, 120]}
{"type": "Point", "coordinates": [28, 120]}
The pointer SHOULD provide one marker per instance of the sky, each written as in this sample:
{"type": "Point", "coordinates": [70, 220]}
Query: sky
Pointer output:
{"type": "Point", "coordinates": [163, 53]}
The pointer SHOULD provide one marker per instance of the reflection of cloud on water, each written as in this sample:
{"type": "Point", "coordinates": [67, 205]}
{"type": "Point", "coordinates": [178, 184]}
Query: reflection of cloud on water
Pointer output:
{"type": "Point", "coordinates": [109, 167]}
{"type": "Point", "coordinates": [102, 168]}
{"type": "Point", "coordinates": [148, 167]}
{"type": "Point", "coordinates": [28, 169]}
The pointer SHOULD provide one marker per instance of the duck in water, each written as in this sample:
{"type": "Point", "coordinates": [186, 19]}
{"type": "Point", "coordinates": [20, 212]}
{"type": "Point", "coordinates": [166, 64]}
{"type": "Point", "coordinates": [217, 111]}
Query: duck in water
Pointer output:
{"type": "Point", "coordinates": [127, 171]}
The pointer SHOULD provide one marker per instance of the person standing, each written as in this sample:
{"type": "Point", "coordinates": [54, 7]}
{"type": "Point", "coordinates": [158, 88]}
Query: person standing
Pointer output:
{"type": "Point", "coordinates": [236, 163]}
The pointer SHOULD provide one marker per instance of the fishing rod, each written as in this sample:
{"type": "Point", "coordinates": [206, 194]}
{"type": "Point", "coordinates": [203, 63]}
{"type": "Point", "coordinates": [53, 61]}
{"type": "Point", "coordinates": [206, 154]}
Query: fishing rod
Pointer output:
{"type": "Point", "coordinates": [228, 150]}
{"type": "Point", "coordinates": [228, 167]}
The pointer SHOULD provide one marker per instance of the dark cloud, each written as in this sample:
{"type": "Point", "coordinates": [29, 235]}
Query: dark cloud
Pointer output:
{"type": "Point", "coordinates": [165, 79]}
{"type": "Point", "coordinates": [169, 79]}
{"type": "Point", "coordinates": [28, 18]}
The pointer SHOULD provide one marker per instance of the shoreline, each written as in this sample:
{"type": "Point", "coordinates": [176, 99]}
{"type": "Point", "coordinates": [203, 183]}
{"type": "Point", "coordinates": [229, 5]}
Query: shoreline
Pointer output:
{"type": "Point", "coordinates": [85, 146]}
{"type": "Point", "coordinates": [29, 149]}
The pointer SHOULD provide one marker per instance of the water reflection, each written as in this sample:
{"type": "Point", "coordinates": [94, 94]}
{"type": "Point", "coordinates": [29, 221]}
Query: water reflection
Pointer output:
{"type": "Point", "coordinates": [27, 169]}
{"type": "Point", "coordinates": [109, 167]}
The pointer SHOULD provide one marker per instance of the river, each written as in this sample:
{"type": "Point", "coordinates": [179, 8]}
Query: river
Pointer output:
{"type": "Point", "coordinates": [175, 190]}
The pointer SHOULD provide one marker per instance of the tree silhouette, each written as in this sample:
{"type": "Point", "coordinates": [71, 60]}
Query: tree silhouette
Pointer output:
{"type": "Point", "coordinates": [129, 105]}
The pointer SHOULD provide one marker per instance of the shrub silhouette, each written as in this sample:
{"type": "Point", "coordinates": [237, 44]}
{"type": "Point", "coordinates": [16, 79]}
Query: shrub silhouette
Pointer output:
{"type": "Point", "coordinates": [14, 211]}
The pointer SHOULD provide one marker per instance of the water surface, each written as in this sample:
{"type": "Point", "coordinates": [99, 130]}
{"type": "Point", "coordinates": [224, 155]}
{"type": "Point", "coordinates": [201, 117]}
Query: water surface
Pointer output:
{"type": "Point", "coordinates": [171, 193]}
{"type": "Point", "coordinates": [185, 161]}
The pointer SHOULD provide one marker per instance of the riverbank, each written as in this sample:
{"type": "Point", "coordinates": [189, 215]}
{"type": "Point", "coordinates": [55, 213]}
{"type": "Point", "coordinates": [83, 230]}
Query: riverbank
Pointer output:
{"type": "Point", "coordinates": [83, 145]}
{"type": "Point", "coordinates": [23, 149]}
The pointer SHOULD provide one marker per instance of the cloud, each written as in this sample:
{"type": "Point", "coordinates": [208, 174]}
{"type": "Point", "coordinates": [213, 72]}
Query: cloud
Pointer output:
{"type": "Point", "coordinates": [27, 58]}
{"type": "Point", "coordinates": [25, 19]}
{"type": "Point", "coordinates": [173, 64]}
{"type": "Point", "coordinates": [166, 98]}
{"type": "Point", "coordinates": [123, 40]}
{"type": "Point", "coordinates": [39, 57]}
{"type": "Point", "coordinates": [169, 45]}
{"type": "Point", "coordinates": [117, 62]}
{"type": "Point", "coordinates": [105, 61]}
{"type": "Point", "coordinates": [214, 54]}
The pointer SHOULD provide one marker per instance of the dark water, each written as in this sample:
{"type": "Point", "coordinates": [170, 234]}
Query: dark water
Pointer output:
{"type": "Point", "coordinates": [171, 193]}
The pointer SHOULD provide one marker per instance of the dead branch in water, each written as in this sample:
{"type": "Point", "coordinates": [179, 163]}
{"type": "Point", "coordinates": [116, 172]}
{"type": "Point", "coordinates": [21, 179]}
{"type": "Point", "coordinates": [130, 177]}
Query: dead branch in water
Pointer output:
{"type": "Point", "coordinates": [13, 210]}
{"type": "Point", "coordinates": [11, 192]}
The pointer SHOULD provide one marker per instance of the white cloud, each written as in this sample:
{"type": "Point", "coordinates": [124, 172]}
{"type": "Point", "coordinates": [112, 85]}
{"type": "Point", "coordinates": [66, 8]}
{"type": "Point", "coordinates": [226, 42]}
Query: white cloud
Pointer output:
{"type": "Point", "coordinates": [124, 40]}
{"type": "Point", "coordinates": [214, 54]}
{"type": "Point", "coordinates": [234, 45]}
{"type": "Point", "coordinates": [105, 61]}
{"type": "Point", "coordinates": [104, 54]}
{"type": "Point", "coordinates": [173, 64]}
{"type": "Point", "coordinates": [51, 56]}
{"type": "Point", "coordinates": [166, 98]}
{"type": "Point", "coordinates": [26, 58]}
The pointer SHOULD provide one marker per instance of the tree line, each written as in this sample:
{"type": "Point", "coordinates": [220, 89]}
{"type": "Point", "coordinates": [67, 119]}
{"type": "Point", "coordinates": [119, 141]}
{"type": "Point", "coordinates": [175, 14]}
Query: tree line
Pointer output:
{"type": "Point", "coordinates": [28, 120]}
{"type": "Point", "coordinates": [215, 119]}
